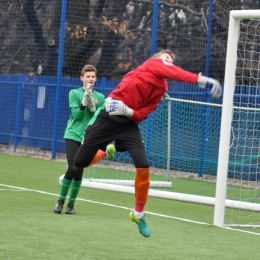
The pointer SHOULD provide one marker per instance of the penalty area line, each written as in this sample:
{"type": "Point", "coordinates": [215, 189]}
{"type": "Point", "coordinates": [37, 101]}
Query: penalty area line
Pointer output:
{"type": "Point", "coordinates": [106, 204]}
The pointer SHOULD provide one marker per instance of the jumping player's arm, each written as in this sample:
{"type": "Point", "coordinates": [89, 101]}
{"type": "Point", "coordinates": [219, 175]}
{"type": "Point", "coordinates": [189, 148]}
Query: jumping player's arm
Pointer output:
{"type": "Point", "coordinates": [166, 69]}
{"type": "Point", "coordinates": [117, 107]}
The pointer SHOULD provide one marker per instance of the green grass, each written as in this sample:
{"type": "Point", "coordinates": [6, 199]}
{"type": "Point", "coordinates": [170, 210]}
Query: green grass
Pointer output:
{"type": "Point", "coordinates": [100, 229]}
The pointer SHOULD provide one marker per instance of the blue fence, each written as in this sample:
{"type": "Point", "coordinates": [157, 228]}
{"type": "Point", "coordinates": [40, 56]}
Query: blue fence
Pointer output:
{"type": "Point", "coordinates": [34, 110]}
{"type": "Point", "coordinates": [34, 114]}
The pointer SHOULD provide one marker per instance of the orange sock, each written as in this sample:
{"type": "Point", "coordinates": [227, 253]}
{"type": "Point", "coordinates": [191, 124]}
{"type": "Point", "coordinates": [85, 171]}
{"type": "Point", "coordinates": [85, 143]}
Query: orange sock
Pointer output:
{"type": "Point", "coordinates": [98, 157]}
{"type": "Point", "coordinates": [142, 184]}
{"type": "Point", "coordinates": [139, 204]}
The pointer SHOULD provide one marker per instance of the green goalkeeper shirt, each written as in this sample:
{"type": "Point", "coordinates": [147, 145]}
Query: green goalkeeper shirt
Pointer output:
{"type": "Point", "coordinates": [79, 118]}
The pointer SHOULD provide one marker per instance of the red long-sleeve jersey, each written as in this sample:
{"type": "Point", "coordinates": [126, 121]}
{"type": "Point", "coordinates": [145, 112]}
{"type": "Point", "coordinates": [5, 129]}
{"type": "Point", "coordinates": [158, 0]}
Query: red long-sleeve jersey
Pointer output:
{"type": "Point", "coordinates": [142, 89]}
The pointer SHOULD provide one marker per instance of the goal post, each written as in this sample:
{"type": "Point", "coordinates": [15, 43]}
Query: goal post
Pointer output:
{"type": "Point", "coordinates": [249, 82]}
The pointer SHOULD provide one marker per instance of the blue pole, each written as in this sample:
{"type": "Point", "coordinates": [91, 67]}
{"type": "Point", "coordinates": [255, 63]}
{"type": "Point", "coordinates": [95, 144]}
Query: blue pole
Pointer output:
{"type": "Point", "coordinates": [103, 86]}
{"type": "Point", "coordinates": [18, 111]}
{"type": "Point", "coordinates": [155, 27]}
{"type": "Point", "coordinates": [206, 129]}
{"type": "Point", "coordinates": [59, 78]}
{"type": "Point", "coordinates": [210, 19]}
{"type": "Point", "coordinates": [149, 121]}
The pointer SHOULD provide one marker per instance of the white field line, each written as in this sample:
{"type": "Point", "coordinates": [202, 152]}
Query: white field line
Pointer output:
{"type": "Point", "coordinates": [15, 188]}
{"type": "Point", "coordinates": [11, 189]}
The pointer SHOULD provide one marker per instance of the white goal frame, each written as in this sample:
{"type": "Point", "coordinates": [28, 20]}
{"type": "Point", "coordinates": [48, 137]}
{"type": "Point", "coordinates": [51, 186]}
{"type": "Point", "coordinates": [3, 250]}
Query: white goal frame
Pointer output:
{"type": "Point", "coordinates": [227, 108]}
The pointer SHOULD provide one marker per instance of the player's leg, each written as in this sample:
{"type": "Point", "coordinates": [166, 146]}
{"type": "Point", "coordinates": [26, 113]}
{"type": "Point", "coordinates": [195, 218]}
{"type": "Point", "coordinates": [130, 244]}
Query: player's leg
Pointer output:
{"type": "Point", "coordinates": [96, 143]}
{"type": "Point", "coordinates": [142, 179]}
{"type": "Point", "coordinates": [77, 180]}
{"type": "Point", "coordinates": [130, 139]}
{"type": "Point", "coordinates": [71, 149]}
{"type": "Point", "coordinates": [142, 184]}
{"type": "Point", "coordinates": [88, 155]}
{"type": "Point", "coordinates": [74, 190]}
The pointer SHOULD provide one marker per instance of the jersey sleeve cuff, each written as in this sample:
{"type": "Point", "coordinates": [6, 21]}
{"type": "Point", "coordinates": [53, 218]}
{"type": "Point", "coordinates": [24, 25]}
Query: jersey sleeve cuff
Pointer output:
{"type": "Point", "coordinates": [82, 107]}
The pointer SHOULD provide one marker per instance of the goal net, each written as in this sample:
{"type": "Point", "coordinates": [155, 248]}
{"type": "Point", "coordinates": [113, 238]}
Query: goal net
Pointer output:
{"type": "Point", "coordinates": [238, 176]}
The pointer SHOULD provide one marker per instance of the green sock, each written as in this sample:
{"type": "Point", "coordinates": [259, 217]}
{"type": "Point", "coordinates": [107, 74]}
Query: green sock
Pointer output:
{"type": "Point", "coordinates": [65, 185]}
{"type": "Point", "coordinates": [75, 186]}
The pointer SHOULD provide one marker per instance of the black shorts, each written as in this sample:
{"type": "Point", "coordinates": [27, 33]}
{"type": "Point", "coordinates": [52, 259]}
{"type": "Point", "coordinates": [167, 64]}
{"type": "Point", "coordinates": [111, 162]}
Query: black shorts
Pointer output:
{"type": "Point", "coordinates": [72, 147]}
{"type": "Point", "coordinates": [107, 128]}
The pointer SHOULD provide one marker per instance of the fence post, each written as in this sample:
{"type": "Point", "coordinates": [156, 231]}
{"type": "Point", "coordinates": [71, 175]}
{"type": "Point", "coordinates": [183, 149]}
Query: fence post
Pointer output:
{"type": "Point", "coordinates": [149, 120]}
{"type": "Point", "coordinates": [18, 111]}
{"type": "Point", "coordinates": [154, 27]}
{"type": "Point", "coordinates": [59, 79]}
{"type": "Point", "coordinates": [169, 122]}
{"type": "Point", "coordinates": [206, 129]}
{"type": "Point", "coordinates": [210, 18]}
{"type": "Point", "coordinates": [103, 86]}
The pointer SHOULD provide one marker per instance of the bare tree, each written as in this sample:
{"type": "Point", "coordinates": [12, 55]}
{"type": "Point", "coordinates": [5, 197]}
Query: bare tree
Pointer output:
{"type": "Point", "coordinates": [113, 35]}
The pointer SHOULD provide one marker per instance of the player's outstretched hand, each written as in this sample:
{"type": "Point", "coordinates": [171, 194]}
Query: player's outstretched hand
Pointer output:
{"type": "Point", "coordinates": [117, 107]}
{"type": "Point", "coordinates": [215, 86]}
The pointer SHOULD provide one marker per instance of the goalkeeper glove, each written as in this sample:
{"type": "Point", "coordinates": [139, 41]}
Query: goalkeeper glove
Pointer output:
{"type": "Point", "coordinates": [215, 86]}
{"type": "Point", "coordinates": [92, 105]}
{"type": "Point", "coordinates": [87, 95]}
{"type": "Point", "coordinates": [117, 107]}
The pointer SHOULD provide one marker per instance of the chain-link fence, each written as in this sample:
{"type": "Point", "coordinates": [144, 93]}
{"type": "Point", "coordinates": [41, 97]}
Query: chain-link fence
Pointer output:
{"type": "Point", "coordinates": [57, 37]}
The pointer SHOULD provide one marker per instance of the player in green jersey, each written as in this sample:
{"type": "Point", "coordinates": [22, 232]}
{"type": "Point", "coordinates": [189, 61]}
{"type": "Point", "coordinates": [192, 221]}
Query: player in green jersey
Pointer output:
{"type": "Point", "coordinates": [83, 103]}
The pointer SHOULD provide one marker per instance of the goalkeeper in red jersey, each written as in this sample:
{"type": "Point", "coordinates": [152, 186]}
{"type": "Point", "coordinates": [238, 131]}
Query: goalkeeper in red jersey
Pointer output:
{"type": "Point", "coordinates": [138, 95]}
{"type": "Point", "coordinates": [83, 103]}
